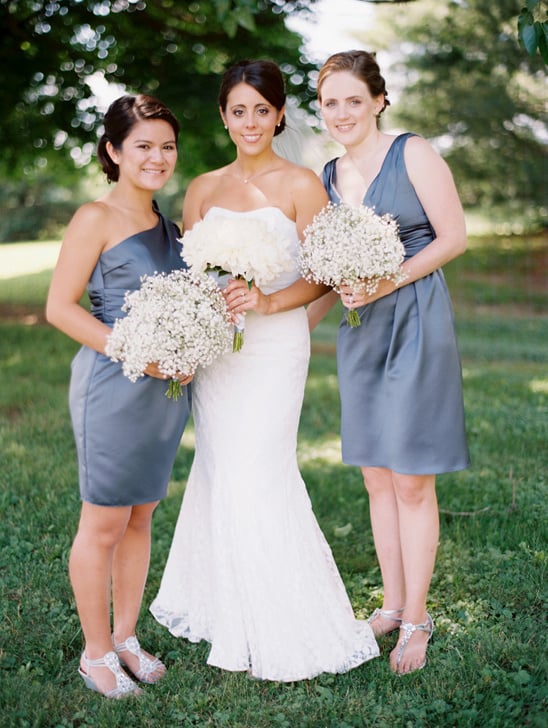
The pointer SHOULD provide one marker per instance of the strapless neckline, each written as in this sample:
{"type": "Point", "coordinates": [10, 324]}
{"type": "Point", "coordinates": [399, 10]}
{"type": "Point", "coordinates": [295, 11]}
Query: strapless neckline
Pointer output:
{"type": "Point", "coordinates": [251, 212]}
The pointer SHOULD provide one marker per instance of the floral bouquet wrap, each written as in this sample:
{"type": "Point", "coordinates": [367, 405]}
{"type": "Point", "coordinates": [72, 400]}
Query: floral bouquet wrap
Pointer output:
{"type": "Point", "coordinates": [176, 319]}
{"type": "Point", "coordinates": [345, 245]}
{"type": "Point", "coordinates": [240, 247]}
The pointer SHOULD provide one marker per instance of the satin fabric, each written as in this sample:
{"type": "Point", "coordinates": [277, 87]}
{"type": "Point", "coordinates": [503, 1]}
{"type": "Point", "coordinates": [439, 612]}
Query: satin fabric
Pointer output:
{"type": "Point", "coordinates": [126, 433]}
{"type": "Point", "coordinates": [399, 372]}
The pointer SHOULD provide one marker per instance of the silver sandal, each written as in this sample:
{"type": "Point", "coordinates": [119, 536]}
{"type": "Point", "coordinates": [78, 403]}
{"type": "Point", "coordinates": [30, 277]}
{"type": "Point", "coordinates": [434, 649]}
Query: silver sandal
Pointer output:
{"type": "Point", "coordinates": [408, 629]}
{"type": "Point", "coordinates": [147, 666]}
{"type": "Point", "coordinates": [387, 614]}
{"type": "Point", "coordinates": [124, 684]}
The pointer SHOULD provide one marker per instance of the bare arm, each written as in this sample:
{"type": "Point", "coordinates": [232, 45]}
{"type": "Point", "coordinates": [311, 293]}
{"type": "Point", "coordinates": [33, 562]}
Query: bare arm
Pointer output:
{"type": "Point", "coordinates": [309, 198]}
{"type": "Point", "coordinates": [84, 240]}
{"type": "Point", "coordinates": [434, 185]}
{"type": "Point", "coordinates": [319, 308]}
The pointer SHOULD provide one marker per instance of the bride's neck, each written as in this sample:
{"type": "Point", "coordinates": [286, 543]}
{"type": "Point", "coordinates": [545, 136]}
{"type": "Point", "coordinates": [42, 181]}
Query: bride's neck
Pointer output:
{"type": "Point", "coordinates": [246, 168]}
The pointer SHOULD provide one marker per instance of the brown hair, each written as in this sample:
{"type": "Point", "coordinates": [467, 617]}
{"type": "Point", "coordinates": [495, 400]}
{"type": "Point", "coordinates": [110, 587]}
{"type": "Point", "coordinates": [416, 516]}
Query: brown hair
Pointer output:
{"type": "Point", "coordinates": [360, 63]}
{"type": "Point", "coordinates": [264, 76]}
{"type": "Point", "coordinates": [119, 120]}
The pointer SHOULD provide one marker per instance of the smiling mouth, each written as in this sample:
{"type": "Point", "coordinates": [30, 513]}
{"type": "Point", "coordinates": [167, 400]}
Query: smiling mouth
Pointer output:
{"type": "Point", "coordinates": [345, 127]}
{"type": "Point", "coordinates": [251, 137]}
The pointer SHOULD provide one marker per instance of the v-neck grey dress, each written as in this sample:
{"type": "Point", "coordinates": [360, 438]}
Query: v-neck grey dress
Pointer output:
{"type": "Point", "coordinates": [126, 433]}
{"type": "Point", "coordinates": [399, 372]}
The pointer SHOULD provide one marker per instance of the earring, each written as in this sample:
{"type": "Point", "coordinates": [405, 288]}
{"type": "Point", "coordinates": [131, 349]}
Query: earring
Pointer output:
{"type": "Point", "coordinates": [226, 127]}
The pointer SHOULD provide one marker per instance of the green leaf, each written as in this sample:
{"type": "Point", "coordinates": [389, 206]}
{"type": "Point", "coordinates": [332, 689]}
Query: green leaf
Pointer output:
{"type": "Point", "coordinates": [245, 18]}
{"type": "Point", "coordinates": [543, 45]}
{"type": "Point", "coordinates": [528, 37]}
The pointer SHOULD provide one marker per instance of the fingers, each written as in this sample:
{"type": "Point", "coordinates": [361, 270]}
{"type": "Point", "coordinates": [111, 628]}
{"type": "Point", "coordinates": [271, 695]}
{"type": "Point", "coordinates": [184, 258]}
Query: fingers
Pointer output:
{"type": "Point", "coordinates": [239, 298]}
{"type": "Point", "coordinates": [353, 296]}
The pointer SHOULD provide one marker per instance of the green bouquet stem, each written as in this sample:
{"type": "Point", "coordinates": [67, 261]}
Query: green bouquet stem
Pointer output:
{"type": "Point", "coordinates": [238, 340]}
{"type": "Point", "coordinates": [174, 389]}
{"type": "Point", "coordinates": [352, 318]}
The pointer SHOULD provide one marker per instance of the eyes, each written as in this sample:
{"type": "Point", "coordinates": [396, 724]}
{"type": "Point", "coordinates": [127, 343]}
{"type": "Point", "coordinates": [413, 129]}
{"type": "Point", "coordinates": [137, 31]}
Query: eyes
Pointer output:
{"type": "Point", "coordinates": [168, 147]}
{"type": "Point", "coordinates": [332, 104]}
{"type": "Point", "coordinates": [262, 111]}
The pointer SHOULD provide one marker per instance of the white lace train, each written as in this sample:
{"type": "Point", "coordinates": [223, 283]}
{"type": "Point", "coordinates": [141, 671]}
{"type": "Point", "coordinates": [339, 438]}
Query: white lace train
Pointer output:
{"type": "Point", "coordinates": [249, 569]}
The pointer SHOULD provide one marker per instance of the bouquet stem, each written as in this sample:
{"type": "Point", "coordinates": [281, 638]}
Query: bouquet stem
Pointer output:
{"type": "Point", "coordinates": [174, 389]}
{"type": "Point", "coordinates": [238, 340]}
{"type": "Point", "coordinates": [352, 318]}
{"type": "Point", "coordinates": [239, 327]}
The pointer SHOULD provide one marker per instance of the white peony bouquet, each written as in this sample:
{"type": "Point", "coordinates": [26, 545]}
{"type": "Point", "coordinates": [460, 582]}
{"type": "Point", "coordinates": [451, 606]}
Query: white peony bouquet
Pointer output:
{"type": "Point", "coordinates": [353, 246]}
{"type": "Point", "coordinates": [240, 247]}
{"type": "Point", "coordinates": [176, 319]}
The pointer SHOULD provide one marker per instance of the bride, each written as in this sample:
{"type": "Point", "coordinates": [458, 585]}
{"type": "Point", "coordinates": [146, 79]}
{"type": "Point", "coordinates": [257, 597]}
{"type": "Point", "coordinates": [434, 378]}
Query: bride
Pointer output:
{"type": "Point", "coordinates": [249, 569]}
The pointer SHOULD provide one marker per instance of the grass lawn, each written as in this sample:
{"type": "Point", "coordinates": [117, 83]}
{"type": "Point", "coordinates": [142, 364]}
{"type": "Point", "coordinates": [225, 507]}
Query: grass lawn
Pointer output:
{"type": "Point", "coordinates": [487, 663]}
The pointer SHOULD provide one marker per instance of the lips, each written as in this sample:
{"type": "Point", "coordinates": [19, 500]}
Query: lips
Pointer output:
{"type": "Point", "coordinates": [251, 138]}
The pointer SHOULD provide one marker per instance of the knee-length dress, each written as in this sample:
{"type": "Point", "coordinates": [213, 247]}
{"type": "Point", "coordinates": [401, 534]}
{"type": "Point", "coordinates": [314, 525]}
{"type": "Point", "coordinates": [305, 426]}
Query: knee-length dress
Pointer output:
{"type": "Point", "coordinates": [127, 433]}
{"type": "Point", "coordinates": [399, 373]}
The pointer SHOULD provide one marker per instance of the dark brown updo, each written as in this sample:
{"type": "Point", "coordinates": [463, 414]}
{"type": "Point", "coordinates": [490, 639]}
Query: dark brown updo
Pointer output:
{"type": "Point", "coordinates": [363, 65]}
{"type": "Point", "coordinates": [265, 77]}
{"type": "Point", "coordinates": [119, 120]}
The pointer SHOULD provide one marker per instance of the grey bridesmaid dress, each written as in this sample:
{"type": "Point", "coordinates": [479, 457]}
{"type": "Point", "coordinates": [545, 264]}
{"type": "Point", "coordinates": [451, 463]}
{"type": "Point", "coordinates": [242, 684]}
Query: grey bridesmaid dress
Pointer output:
{"type": "Point", "coordinates": [399, 372]}
{"type": "Point", "coordinates": [126, 433]}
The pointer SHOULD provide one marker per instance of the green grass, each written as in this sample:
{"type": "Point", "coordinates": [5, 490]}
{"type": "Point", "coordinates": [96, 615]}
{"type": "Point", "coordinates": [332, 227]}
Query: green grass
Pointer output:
{"type": "Point", "coordinates": [487, 663]}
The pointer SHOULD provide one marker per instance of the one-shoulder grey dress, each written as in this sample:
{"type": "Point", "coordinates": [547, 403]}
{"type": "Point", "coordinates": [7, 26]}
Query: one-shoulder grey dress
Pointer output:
{"type": "Point", "coordinates": [126, 433]}
{"type": "Point", "coordinates": [399, 372]}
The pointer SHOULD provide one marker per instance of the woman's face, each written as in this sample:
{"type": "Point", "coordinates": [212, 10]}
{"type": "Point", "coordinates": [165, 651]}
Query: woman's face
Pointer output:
{"type": "Point", "coordinates": [148, 154]}
{"type": "Point", "coordinates": [348, 109]}
{"type": "Point", "coordinates": [251, 119]}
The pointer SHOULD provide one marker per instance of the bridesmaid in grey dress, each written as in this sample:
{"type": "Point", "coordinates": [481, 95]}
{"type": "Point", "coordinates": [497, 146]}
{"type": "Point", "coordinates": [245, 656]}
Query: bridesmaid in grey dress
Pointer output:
{"type": "Point", "coordinates": [402, 416]}
{"type": "Point", "coordinates": [127, 434]}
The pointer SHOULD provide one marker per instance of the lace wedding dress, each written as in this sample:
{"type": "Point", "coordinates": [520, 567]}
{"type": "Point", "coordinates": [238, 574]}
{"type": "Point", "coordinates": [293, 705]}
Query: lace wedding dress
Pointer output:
{"type": "Point", "coordinates": [249, 569]}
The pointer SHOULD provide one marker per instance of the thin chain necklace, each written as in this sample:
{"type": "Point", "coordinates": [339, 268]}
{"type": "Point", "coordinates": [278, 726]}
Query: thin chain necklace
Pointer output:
{"type": "Point", "coordinates": [247, 179]}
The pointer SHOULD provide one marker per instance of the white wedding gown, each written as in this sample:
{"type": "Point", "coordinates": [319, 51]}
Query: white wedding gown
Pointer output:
{"type": "Point", "coordinates": [249, 569]}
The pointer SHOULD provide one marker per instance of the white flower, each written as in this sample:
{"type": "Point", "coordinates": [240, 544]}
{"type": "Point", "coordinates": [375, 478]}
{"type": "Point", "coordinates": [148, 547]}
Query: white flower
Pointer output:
{"type": "Point", "coordinates": [176, 319]}
{"type": "Point", "coordinates": [243, 247]}
{"type": "Point", "coordinates": [347, 245]}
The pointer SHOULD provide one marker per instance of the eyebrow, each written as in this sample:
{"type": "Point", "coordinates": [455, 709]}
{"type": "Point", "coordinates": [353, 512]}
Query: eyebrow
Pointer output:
{"type": "Point", "coordinates": [256, 106]}
{"type": "Point", "coordinates": [149, 141]}
{"type": "Point", "coordinates": [348, 98]}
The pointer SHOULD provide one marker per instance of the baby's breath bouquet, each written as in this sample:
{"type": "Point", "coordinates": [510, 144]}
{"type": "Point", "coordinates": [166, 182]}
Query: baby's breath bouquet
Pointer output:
{"type": "Point", "coordinates": [176, 319]}
{"type": "Point", "coordinates": [242, 247]}
{"type": "Point", "coordinates": [353, 246]}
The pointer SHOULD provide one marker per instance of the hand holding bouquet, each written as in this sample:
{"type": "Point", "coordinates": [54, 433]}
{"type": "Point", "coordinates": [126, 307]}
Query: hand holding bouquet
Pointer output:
{"type": "Point", "coordinates": [243, 247]}
{"type": "Point", "coordinates": [178, 320]}
{"type": "Point", "coordinates": [352, 246]}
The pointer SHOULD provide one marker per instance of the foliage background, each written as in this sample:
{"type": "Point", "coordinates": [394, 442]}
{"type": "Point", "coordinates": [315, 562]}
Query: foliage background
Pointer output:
{"type": "Point", "coordinates": [456, 71]}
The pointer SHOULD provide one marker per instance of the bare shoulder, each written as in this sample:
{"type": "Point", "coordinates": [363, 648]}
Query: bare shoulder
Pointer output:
{"type": "Point", "coordinates": [418, 152]}
{"type": "Point", "coordinates": [91, 221]}
{"type": "Point", "coordinates": [95, 213]}
{"type": "Point", "coordinates": [302, 179]}
{"type": "Point", "coordinates": [200, 189]}
{"type": "Point", "coordinates": [204, 182]}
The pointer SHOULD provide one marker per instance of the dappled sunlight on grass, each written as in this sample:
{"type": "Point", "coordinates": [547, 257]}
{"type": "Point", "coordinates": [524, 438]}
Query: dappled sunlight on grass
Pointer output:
{"type": "Point", "coordinates": [487, 595]}
{"type": "Point", "coordinates": [324, 450]}
{"type": "Point", "coordinates": [17, 259]}
{"type": "Point", "coordinates": [539, 386]}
